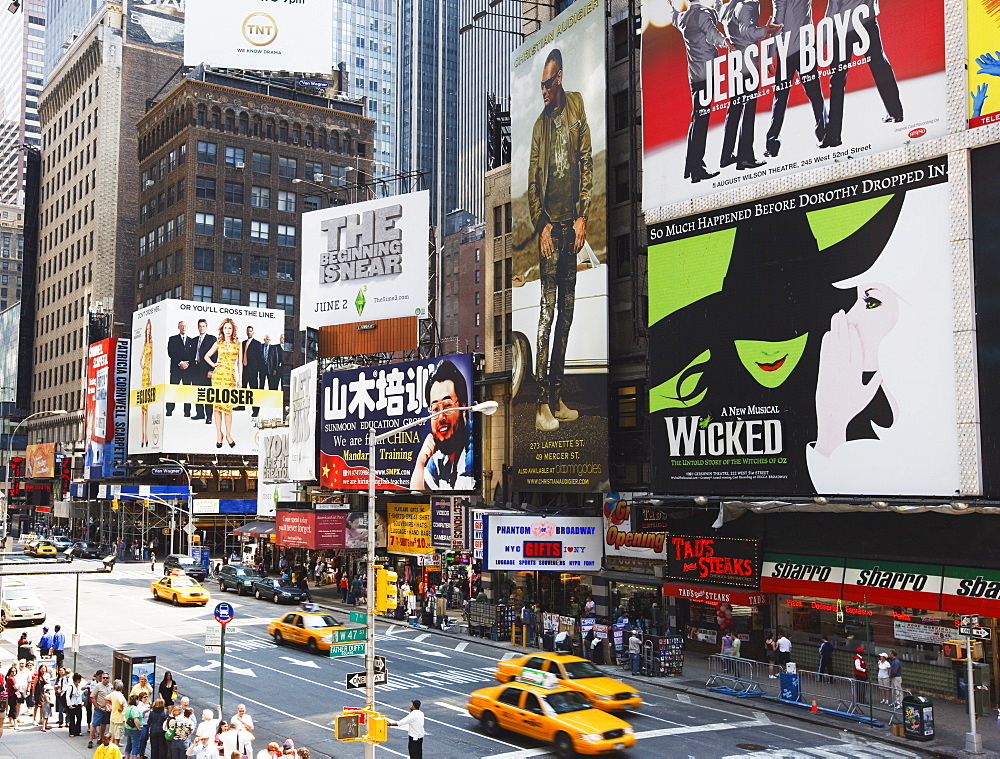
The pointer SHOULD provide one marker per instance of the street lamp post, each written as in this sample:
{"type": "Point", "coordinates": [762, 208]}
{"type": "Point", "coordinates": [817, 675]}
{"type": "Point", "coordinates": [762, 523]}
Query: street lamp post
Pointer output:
{"type": "Point", "coordinates": [10, 455]}
{"type": "Point", "coordinates": [189, 498]}
{"type": "Point", "coordinates": [485, 407]}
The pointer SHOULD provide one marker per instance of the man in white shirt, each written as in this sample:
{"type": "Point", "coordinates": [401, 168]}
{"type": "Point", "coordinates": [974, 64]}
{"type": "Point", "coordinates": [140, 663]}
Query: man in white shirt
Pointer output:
{"type": "Point", "coordinates": [414, 724]}
{"type": "Point", "coordinates": [242, 723]}
{"type": "Point", "coordinates": [784, 650]}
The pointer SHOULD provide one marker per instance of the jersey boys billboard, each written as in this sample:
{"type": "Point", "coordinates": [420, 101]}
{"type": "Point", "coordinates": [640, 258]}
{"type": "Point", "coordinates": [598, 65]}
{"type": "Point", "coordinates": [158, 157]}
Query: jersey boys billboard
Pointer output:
{"type": "Point", "coordinates": [365, 261]}
{"type": "Point", "coordinates": [747, 90]}
{"type": "Point", "coordinates": [437, 455]}
{"type": "Point", "coordinates": [803, 344]}
{"type": "Point", "coordinates": [559, 324]}
{"type": "Point", "coordinates": [203, 376]}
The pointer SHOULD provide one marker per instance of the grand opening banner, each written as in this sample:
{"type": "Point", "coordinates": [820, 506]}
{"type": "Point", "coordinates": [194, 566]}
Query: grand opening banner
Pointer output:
{"type": "Point", "coordinates": [365, 261]}
{"type": "Point", "coordinates": [983, 33]}
{"type": "Point", "coordinates": [559, 324]}
{"type": "Point", "coordinates": [436, 455]}
{"type": "Point", "coordinates": [823, 82]}
{"type": "Point", "coordinates": [106, 432]}
{"type": "Point", "coordinates": [190, 391]}
{"type": "Point", "coordinates": [803, 343]}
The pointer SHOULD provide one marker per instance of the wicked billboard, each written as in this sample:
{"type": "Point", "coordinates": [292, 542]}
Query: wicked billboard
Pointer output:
{"type": "Point", "coordinates": [559, 320]}
{"type": "Point", "coordinates": [791, 342]}
{"type": "Point", "coordinates": [738, 93]}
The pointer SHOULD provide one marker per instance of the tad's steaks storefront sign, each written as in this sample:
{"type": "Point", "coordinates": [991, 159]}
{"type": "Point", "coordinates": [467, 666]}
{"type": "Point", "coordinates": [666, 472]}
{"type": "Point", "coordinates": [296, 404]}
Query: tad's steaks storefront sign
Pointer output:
{"type": "Point", "coordinates": [717, 561]}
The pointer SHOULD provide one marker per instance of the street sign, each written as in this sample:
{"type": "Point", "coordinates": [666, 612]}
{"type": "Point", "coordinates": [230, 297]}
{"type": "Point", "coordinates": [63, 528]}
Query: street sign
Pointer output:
{"type": "Point", "coordinates": [190, 529]}
{"type": "Point", "coordinates": [166, 471]}
{"type": "Point", "coordinates": [348, 649]}
{"type": "Point", "coordinates": [359, 617]}
{"type": "Point", "coordinates": [346, 636]}
{"type": "Point", "coordinates": [982, 633]}
{"type": "Point", "coordinates": [379, 665]}
{"type": "Point", "coordinates": [965, 630]}
{"type": "Point", "coordinates": [359, 679]}
{"type": "Point", "coordinates": [223, 613]}
{"type": "Point", "coordinates": [970, 620]}
{"type": "Point", "coordinates": [213, 639]}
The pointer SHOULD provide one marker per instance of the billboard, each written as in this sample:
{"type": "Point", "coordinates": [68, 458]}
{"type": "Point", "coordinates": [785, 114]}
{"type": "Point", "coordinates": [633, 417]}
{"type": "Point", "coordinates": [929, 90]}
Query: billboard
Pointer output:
{"type": "Point", "coordinates": [317, 530]}
{"type": "Point", "coordinates": [40, 461]}
{"type": "Point", "coordinates": [106, 411]}
{"type": "Point", "coordinates": [448, 522]}
{"type": "Point", "coordinates": [159, 23]}
{"type": "Point", "coordinates": [190, 391]}
{"type": "Point", "coordinates": [559, 298]}
{"type": "Point", "coordinates": [261, 36]}
{"type": "Point", "coordinates": [365, 261]}
{"type": "Point", "coordinates": [409, 528]}
{"type": "Point", "coordinates": [302, 423]}
{"type": "Point", "coordinates": [789, 337]}
{"type": "Point", "coordinates": [821, 83]}
{"type": "Point", "coordinates": [273, 456]}
{"type": "Point", "coordinates": [437, 455]}
{"type": "Point", "coordinates": [721, 561]}
{"type": "Point", "coordinates": [624, 535]}
{"type": "Point", "coordinates": [983, 33]}
{"type": "Point", "coordinates": [544, 544]}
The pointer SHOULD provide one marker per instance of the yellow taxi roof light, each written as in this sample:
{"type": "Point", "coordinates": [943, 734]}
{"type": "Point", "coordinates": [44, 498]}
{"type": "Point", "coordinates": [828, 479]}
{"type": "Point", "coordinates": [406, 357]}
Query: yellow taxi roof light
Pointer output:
{"type": "Point", "coordinates": [537, 677]}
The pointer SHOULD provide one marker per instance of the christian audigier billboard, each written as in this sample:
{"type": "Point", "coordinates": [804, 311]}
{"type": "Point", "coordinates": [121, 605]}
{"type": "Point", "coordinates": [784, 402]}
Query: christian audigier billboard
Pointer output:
{"type": "Point", "coordinates": [804, 343]}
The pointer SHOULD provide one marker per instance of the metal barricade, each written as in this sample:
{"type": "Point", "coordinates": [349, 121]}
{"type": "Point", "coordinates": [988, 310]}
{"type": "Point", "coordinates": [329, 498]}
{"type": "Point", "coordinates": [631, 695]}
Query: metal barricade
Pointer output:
{"type": "Point", "coordinates": [741, 677]}
{"type": "Point", "coordinates": [881, 701]}
{"type": "Point", "coordinates": [830, 691]}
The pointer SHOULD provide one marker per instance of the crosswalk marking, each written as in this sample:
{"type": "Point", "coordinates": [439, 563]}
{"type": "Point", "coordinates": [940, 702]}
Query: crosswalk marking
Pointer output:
{"type": "Point", "coordinates": [834, 751]}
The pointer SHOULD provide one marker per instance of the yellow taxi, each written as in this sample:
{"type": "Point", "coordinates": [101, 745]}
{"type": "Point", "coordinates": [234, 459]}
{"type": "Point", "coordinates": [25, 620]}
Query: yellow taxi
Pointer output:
{"type": "Point", "coordinates": [578, 674]}
{"type": "Point", "coordinates": [41, 548]}
{"type": "Point", "coordinates": [180, 589]}
{"type": "Point", "coordinates": [305, 627]}
{"type": "Point", "coordinates": [539, 706]}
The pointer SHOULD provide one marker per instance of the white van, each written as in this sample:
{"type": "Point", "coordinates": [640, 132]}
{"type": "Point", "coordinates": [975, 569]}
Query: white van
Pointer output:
{"type": "Point", "coordinates": [20, 604]}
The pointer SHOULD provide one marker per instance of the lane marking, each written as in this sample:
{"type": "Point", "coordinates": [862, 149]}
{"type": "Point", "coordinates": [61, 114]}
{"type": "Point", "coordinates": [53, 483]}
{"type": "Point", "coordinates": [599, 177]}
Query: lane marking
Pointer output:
{"type": "Point", "coordinates": [428, 653]}
{"type": "Point", "coordinates": [460, 709]}
{"type": "Point", "coordinates": [684, 698]}
{"type": "Point", "coordinates": [422, 637]}
{"type": "Point", "coordinates": [462, 646]}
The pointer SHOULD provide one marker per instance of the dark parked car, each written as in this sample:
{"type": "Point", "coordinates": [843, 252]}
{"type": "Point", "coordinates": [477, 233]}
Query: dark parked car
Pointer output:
{"type": "Point", "coordinates": [185, 564]}
{"type": "Point", "coordinates": [83, 549]}
{"type": "Point", "coordinates": [239, 577]}
{"type": "Point", "coordinates": [276, 589]}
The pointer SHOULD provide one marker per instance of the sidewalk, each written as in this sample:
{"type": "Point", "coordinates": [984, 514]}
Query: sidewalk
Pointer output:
{"type": "Point", "coordinates": [28, 742]}
{"type": "Point", "coordinates": [951, 718]}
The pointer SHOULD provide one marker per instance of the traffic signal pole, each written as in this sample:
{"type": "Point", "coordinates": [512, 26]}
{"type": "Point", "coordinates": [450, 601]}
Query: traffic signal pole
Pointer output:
{"type": "Point", "coordinates": [370, 631]}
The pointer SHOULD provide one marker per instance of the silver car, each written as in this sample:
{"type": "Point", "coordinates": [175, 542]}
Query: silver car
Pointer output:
{"type": "Point", "coordinates": [21, 604]}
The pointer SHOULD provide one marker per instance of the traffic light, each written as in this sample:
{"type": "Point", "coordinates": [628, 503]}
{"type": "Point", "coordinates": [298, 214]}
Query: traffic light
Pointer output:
{"type": "Point", "coordinates": [955, 650]}
{"type": "Point", "coordinates": [385, 589]}
{"type": "Point", "coordinates": [347, 727]}
{"type": "Point", "coordinates": [378, 730]}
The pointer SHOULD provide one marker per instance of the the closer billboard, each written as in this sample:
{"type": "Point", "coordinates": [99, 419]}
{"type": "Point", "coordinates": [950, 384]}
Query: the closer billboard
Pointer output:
{"type": "Point", "coordinates": [190, 391]}
{"type": "Point", "coordinates": [560, 281]}
{"type": "Point", "coordinates": [106, 432]}
{"type": "Point", "coordinates": [790, 342]}
{"type": "Point", "coordinates": [822, 82]}
{"type": "Point", "coordinates": [436, 455]}
{"type": "Point", "coordinates": [366, 261]}
{"type": "Point", "coordinates": [545, 544]}
{"type": "Point", "coordinates": [294, 35]}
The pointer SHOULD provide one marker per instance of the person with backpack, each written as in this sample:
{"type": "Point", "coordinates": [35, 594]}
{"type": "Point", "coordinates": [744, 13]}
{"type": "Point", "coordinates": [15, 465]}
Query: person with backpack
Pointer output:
{"type": "Point", "coordinates": [155, 721]}
{"type": "Point", "coordinates": [179, 729]}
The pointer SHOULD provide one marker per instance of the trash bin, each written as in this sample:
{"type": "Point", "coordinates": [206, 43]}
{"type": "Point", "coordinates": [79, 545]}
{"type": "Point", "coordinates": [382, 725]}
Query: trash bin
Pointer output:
{"type": "Point", "coordinates": [918, 718]}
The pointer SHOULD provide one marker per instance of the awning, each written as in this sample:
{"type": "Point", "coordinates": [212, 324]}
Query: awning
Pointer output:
{"type": "Point", "coordinates": [715, 594]}
{"type": "Point", "coordinates": [255, 528]}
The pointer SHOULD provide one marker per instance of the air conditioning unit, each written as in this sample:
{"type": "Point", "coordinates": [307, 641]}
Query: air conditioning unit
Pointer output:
{"type": "Point", "coordinates": [240, 165]}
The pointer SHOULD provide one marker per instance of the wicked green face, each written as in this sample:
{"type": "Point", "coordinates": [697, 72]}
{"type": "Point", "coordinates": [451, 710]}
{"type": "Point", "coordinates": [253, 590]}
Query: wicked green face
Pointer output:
{"type": "Point", "coordinates": [770, 363]}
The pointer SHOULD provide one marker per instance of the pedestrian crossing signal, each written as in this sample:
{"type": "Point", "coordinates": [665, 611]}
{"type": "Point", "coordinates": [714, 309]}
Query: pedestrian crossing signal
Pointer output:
{"type": "Point", "coordinates": [386, 590]}
{"type": "Point", "coordinates": [347, 727]}
{"type": "Point", "coordinates": [378, 730]}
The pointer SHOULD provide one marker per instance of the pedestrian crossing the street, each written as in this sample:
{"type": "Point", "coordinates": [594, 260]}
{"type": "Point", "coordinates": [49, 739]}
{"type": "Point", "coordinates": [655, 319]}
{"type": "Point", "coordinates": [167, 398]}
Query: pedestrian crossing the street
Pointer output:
{"type": "Point", "coordinates": [832, 751]}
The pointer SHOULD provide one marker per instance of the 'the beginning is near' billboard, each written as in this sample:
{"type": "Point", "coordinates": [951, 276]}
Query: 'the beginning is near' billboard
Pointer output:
{"type": "Point", "coordinates": [262, 35]}
{"type": "Point", "coordinates": [365, 261]}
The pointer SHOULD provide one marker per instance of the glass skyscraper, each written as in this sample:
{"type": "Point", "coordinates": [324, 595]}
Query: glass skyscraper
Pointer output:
{"type": "Point", "coordinates": [22, 47]}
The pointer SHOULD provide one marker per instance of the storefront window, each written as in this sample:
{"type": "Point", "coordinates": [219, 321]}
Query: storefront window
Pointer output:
{"type": "Point", "coordinates": [555, 592]}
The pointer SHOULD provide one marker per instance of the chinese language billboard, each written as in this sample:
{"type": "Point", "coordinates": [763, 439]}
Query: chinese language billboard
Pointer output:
{"type": "Point", "coordinates": [203, 377]}
{"type": "Point", "coordinates": [365, 261]}
{"type": "Point", "coordinates": [436, 455]}
{"type": "Point", "coordinates": [559, 321]}
{"type": "Point", "coordinates": [106, 432]}
{"type": "Point", "coordinates": [261, 36]}
{"type": "Point", "coordinates": [545, 544]}
{"type": "Point", "coordinates": [790, 338]}
{"type": "Point", "coordinates": [736, 93]}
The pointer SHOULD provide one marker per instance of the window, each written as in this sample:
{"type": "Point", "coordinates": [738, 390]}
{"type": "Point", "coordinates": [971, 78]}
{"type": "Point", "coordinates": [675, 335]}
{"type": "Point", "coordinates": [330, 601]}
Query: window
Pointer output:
{"type": "Point", "coordinates": [258, 299]}
{"type": "Point", "coordinates": [142, 248]}
{"type": "Point", "coordinates": [310, 170]}
{"type": "Point", "coordinates": [286, 201]}
{"type": "Point", "coordinates": [623, 256]}
{"type": "Point", "coordinates": [312, 202]}
{"type": "Point", "coordinates": [231, 296]}
{"type": "Point", "coordinates": [180, 190]}
{"type": "Point", "coordinates": [286, 235]}
{"type": "Point", "coordinates": [204, 223]}
{"type": "Point", "coordinates": [204, 259]}
{"type": "Point", "coordinates": [260, 197]}
{"type": "Point", "coordinates": [202, 293]}
{"type": "Point", "coordinates": [628, 407]}
{"type": "Point", "coordinates": [287, 167]}
{"type": "Point", "coordinates": [286, 303]}
{"type": "Point", "coordinates": [232, 263]}
{"type": "Point", "coordinates": [621, 35]}
{"type": "Point", "coordinates": [171, 226]}
{"type": "Point", "coordinates": [235, 157]}
{"type": "Point", "coordinates": [338, 175]}
{"type": "Point", "coordinates": [204, 188]}
{"type": "Point", "coordinates": [621, 183]}
{"type": "Point", "coordinates": [285, 270]}
{"type": "Point", "coordinates": [232, 228]}
{"type": "Point", "coordinates": [207, 152]}
{"type": "Point", "coordinates": [497, 331]}
{"type": "Point", "coordinates": [497, 276]}
{"type": "Point", "coordinates": [477, 297]}
{"type": "Point", "coordinates": [260, 231]}
{"type": "Point", "coordinates": [180, 225]}
{"type": "Point", "coordinates": [262, 163]}
{"type": "Point", "coordinates": [477, 276]}
{"type": "Point", "coordinates": [259, 267]}
{"type": "Point", "coordinates": [234, 192]}
{"type": "Point", "coordinates": [620, 107]}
